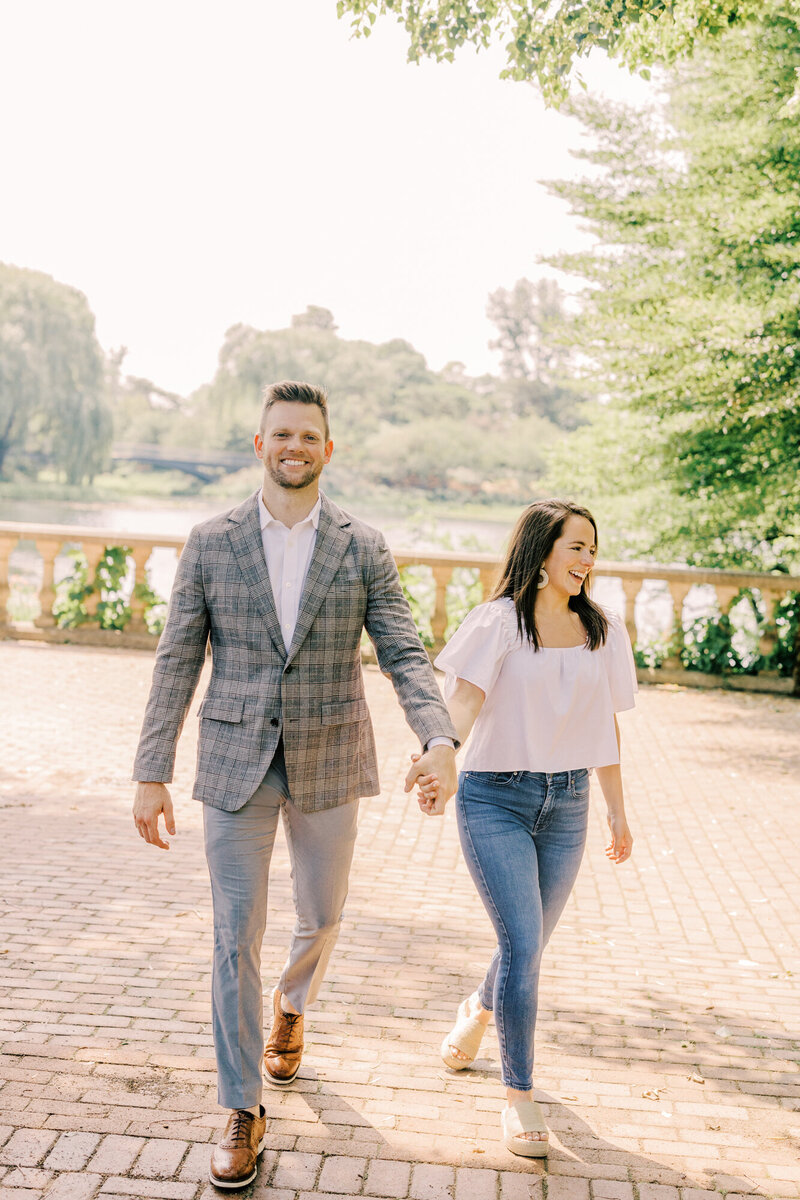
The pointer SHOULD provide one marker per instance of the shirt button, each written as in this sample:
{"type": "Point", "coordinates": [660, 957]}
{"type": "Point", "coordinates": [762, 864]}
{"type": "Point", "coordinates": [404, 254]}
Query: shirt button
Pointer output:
{"type": "Point", "coordinates": [274, 721]}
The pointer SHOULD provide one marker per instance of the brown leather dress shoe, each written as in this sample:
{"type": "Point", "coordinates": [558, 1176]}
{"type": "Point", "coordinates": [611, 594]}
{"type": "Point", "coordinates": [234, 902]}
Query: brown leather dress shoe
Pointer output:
{"type": "Point", "coordinates": [233, 1161]}
{"type": "Point", "coordinates": [284, 1048]}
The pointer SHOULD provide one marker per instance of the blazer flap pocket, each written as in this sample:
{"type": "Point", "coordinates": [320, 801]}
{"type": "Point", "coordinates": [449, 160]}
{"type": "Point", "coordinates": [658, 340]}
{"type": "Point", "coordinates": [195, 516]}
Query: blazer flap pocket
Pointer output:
{"type": "Point", "coordinates": [223, 708]}
{"type": "Point", "coordinates": [344, 712]}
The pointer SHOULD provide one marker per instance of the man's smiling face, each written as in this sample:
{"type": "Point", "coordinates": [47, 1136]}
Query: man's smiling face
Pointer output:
{"type": "Point", "coordinates": [291, 444]}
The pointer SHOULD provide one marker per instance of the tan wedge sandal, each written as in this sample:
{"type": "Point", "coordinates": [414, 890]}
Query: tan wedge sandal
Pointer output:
{"type": "Point", "coordinates": [466, 1035]}
{"type": "Point", "coordinates": [521, 1118]}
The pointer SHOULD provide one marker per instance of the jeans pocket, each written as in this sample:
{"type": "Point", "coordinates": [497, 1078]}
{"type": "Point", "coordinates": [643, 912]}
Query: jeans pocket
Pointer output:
{"type": "Point", "coordinates": [503, 778]}
{"type": "Point", "coordinates": [580, 784]}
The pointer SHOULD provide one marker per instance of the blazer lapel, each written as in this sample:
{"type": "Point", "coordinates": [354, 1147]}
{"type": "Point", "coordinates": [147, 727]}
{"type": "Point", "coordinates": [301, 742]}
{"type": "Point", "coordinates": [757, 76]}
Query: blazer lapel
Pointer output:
{"type": "Point", "coordinates": [248, 546]}
{"type": "Point", "coordinates": [333, 537]}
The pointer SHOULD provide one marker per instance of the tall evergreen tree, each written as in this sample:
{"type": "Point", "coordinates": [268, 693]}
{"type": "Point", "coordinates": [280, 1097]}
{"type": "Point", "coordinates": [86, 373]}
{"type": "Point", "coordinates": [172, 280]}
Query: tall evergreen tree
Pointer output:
{"type": "Point", "coordinates": [692, 318]}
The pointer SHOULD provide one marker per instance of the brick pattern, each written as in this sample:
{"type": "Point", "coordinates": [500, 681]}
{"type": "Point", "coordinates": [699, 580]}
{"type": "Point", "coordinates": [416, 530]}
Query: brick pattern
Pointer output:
{"type": "Point", "coordinates": [667, 1053]}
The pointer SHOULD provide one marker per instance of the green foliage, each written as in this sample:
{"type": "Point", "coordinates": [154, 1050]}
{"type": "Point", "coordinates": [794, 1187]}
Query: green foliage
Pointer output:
{"type": "Point", "coordinates": [787, 621]}
{"type": "Point", "coordinates": [535, 351]}
{"type": "Point", "coordinates": [419, 590]}
{"type": "Point", "coordinates": [691, 317]}
{"type": "Point", "coordinates": [113, 611]}
{"type": "Point", "coordinates": [729, 645]}
{"type": "Point", "coordinates": [395, 422]}
{"type": "Point", "coordinates": [70, 606]}
{"type": "Point", "coordinates": [463, 594]}
{"type": "Point", "coordinates": [53, 404]}
{"type": "Point", "coordinates": [651, 654]}
{"type": "Point", "coordinates": [708, 647]}
{"type": "Point", "coordinates": [542, 40]}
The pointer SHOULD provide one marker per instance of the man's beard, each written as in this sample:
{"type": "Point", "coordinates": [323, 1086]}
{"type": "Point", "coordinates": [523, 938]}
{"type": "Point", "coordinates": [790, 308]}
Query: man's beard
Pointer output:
{"type": "Point", "coordinates": [296, 482]}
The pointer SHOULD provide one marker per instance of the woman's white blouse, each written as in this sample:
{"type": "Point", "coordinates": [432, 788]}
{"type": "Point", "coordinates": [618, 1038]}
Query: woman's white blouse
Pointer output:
{"type": "Point", "coordinates": [545, 710]}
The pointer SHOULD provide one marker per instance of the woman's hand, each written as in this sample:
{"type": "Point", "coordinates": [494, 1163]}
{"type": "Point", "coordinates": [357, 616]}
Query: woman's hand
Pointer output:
{"type": "Point", "coordinates": [429, 795]}
{"type": "Point", "coordinates": [619, 848]}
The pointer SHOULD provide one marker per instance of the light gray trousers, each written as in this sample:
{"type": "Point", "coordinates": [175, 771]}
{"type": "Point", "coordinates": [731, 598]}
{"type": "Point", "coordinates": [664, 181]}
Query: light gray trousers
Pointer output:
{"type": "Point", "coordinates": [238, 850]}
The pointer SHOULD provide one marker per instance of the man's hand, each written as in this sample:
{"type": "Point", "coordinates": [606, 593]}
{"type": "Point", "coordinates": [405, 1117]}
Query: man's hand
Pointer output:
{"type": "Point", "coordinates": [153, 799]}
{"type": "Point", "coordinates": [441, 762]}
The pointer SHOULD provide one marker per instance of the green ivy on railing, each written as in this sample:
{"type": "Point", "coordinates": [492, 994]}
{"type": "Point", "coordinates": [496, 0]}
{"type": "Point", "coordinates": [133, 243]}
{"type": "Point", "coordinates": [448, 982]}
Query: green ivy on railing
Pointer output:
{"type": "Point", "coordinates": [708, 647]}
{"type": "Point", "coordinates": [710, 644]}
{"type": "Point", "coordinates": [419, 590]}
{"type": "Point", "coordinates": [787, 622]}
{"type": "Point", "coordinates": [717, 645]}
{"type": "Point", "coordinates": [113, 610]}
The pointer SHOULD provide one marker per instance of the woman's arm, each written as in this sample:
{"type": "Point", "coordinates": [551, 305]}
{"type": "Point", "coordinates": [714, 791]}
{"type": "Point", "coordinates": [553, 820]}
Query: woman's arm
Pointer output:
{"type": "Point", "coordinates": [621, 844]}
{"type": "Point", "coordinates": [464, 703]}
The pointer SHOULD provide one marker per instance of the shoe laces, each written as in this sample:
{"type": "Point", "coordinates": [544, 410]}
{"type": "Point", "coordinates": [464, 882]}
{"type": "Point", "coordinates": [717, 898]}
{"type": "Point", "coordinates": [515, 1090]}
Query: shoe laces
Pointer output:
{"type": "Point", "coordinates": [240, 1127]}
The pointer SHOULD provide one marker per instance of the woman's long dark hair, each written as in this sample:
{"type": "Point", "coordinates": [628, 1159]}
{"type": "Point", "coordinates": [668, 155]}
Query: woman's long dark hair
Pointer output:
{"type": "Point", "coordinates": [533, 538]}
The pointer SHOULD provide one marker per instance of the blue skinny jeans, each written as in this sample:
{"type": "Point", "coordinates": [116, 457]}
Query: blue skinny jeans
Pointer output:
{"type": "Point", "coordinates": [522, 834]}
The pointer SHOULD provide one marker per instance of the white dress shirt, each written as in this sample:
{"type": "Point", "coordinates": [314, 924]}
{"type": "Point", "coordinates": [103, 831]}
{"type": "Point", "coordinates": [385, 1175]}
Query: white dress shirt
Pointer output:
{"type": "Point", "coordinates": [288, 553]}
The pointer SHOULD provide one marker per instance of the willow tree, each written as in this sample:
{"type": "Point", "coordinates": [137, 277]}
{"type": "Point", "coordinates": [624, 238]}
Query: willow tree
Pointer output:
{"type": "Point", "coordinates": [53, 405]}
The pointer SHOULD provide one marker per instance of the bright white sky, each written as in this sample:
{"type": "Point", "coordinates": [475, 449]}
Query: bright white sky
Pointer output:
{"type": "Point", "coordinates": [191, 164]}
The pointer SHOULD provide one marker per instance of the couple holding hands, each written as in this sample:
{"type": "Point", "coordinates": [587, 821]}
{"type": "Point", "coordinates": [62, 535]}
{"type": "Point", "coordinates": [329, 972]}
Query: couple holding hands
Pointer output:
{"type": "Point", "coordinates": [283, 586]}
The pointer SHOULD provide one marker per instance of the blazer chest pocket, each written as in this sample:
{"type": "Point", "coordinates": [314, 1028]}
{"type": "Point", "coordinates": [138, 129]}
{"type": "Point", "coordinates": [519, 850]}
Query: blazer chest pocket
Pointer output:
{"type": "Point", "coordinates": [223, 708]}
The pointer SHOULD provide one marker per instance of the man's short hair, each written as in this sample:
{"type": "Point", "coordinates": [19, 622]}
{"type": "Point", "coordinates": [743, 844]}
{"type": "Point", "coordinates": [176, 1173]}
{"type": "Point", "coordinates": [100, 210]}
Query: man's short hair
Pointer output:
{"type": "Point", "coordinates": [289, 390]}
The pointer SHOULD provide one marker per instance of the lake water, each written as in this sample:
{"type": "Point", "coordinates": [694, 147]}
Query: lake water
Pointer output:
{"type": "Point", "coordinates": [402, 532]}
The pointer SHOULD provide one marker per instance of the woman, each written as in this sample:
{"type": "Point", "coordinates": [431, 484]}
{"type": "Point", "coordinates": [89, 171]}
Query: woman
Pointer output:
{"type": "Point", "coordinates": [536, 674]}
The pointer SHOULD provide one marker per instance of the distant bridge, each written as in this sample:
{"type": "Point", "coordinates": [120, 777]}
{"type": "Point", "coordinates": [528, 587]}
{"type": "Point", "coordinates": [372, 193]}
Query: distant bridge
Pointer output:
{"type": "Point", "coordinates": [202, 464]}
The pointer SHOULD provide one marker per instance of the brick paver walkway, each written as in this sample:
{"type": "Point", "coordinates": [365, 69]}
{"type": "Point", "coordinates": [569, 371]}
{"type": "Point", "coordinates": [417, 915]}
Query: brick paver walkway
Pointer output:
{"type": "Point", "coordinates": [666, 1060]}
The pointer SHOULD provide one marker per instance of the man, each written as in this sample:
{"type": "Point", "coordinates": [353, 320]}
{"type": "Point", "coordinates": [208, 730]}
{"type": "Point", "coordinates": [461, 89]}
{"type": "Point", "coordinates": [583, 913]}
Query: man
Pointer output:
{"type": "Point", "coordinates": [283, 586]}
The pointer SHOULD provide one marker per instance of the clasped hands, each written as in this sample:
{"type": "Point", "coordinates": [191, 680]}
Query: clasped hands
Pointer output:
{"type": "Point", "coordinates": [434, 773]}
{"type": "Point", "coordinates": [436, 777]}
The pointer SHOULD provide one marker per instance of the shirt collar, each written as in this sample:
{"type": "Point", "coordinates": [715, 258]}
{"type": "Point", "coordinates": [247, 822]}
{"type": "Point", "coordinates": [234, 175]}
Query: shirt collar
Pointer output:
{"type": "Point", "coordinates": [267, 518]}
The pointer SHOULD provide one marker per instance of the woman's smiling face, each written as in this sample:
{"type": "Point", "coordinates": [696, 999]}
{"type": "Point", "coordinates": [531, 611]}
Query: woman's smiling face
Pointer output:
{"type": "Point", "coordinates": [572, 556]}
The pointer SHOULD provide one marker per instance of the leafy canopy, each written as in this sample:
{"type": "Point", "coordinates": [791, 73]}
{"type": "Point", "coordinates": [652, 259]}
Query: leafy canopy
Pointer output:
{"type": "Point", "coordinates": [543, 38]}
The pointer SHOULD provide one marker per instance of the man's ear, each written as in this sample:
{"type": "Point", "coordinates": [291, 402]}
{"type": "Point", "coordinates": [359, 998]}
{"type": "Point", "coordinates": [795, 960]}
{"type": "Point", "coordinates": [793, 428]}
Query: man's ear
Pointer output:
{"type": "Point", "coordinates": [258, 445]}
{"type": "Point", "coordinates": [328, 451]}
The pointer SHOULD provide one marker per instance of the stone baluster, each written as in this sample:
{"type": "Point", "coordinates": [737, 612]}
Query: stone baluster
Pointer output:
{"type": "Point", "coordinates": [93, 552]}
{"type": "Point", "coordinates": [48, 547]}
{"type": "Point", "coordinates": [631, 588]}
{"type": "Point", "coordinates": [140, 556]}
{"type": "Point", "coordinates": [725, 597]}
{"type": "Point", "coordinates": [678, 590]}
{"type": "Point", "coordinates": [7, 544]}
{"type": "Point", "coordinates": [488, 578]}
{"type": "Point", "coordinates": [441, 577]}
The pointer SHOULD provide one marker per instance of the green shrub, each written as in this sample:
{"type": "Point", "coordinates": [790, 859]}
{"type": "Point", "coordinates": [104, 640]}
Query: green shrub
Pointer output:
{"type": "Point", "coordinates": [113, 610]}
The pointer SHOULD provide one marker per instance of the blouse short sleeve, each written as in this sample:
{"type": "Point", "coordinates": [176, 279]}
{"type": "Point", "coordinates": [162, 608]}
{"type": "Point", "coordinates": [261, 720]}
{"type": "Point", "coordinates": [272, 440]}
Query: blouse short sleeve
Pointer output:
{"type": "Point", "coordinates": [478, 647]}
{"type": "Point", "coordinates": [620, 667]}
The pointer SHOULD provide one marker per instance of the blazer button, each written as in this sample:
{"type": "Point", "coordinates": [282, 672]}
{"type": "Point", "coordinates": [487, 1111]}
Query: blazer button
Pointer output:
{"type": "Point", "coordinates": [286, 670]}
{"type": "Point", "coordinates": [274, 721]}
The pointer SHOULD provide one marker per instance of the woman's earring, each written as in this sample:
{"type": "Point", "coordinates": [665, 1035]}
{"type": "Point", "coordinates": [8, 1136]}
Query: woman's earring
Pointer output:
{"type": "Point", "coordinates": [544, 578]}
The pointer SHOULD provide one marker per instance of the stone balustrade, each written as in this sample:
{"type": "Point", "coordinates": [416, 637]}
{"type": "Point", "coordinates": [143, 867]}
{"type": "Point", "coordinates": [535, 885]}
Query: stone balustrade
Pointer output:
{"type": "Point", "coordinates": [33, 561]}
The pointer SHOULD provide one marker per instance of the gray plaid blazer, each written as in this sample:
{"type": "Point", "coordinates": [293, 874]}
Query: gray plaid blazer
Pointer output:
{"type": "Point", "coordinates": [314, 694]}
